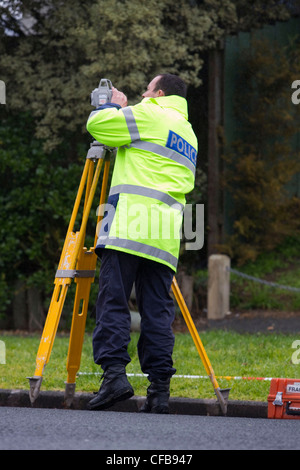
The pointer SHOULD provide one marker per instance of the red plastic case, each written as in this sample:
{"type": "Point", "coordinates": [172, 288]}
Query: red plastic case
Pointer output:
{"type": "Point", "coordinates": [284, 399]}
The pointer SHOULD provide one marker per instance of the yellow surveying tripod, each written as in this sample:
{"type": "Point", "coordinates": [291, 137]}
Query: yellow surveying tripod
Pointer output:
{"type": "Point", "coordinates": [78, 263]}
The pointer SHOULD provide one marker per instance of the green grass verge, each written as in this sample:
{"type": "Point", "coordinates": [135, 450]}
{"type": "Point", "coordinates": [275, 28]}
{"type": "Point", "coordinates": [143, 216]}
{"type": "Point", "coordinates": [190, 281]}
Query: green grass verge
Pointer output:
{"type": "Point", "coordinates": [230, 353]}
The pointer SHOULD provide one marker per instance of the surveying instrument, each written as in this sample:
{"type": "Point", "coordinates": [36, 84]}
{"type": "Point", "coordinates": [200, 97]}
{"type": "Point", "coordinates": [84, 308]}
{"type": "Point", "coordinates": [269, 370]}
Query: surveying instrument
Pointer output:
{"type": "Point", "coordinates": [79, 264]}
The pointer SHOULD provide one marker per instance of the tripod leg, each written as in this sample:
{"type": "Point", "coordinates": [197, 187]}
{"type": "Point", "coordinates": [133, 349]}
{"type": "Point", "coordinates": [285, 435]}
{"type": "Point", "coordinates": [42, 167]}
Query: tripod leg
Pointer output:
{"type": "Point", "coordinates": [222, 395]}
{"type": "Point", "coordinates": [102, 197]}
{"type": "Point", "coordinates": [86, 264]}
{"type": "Point", "coordinates": [54, 314]}
{"type": "Point", "coordinates": [47, 339]}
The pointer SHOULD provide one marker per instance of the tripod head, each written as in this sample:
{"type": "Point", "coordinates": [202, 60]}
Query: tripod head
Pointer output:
{"type": "Point", "coordinates": [98, 150]}
{"type": "Point", "coordinates": [102, 94]}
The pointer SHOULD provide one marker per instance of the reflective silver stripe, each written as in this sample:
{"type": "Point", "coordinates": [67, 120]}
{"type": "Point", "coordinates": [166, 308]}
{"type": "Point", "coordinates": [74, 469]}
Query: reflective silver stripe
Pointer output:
{"type": "Point", "coordinates": [71, 273]}
{"type": "Point", "coordinates": [140, 248]}
{"type": "Point", "coordinates": [164, 152]}
{"type": "Point", "coordinates": [151, 147]}
{"type": "Point", "coordinates": [131, 124]}
{"type": "Point", "coordinates": [147, 192]}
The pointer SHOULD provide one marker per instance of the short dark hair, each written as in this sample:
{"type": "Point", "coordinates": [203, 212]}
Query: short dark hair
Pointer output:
{"type": "Point", "coordinates": [171, 85]}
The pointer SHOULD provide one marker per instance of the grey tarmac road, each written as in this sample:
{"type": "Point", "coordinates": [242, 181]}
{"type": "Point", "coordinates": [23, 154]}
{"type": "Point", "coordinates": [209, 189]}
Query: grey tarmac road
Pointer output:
{"type": "Point", "coordinates": [56, 429]}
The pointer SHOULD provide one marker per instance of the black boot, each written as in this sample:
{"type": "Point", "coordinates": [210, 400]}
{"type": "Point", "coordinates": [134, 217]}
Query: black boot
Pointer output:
{"type": "Point", "coordinates": [157, 400]}
{"type": "Point", "coordinates": [115, 387]}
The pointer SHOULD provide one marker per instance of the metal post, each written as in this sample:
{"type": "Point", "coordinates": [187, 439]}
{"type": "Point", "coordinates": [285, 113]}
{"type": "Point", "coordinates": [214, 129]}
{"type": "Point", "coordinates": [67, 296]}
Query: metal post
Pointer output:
{"type": "Point", "coordinates": [218, 287]}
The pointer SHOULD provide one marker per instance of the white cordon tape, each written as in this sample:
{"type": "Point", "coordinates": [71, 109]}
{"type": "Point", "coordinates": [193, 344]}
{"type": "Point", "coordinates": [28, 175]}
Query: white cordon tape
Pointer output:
{"type": "Point", "coordinates": [227, 377]}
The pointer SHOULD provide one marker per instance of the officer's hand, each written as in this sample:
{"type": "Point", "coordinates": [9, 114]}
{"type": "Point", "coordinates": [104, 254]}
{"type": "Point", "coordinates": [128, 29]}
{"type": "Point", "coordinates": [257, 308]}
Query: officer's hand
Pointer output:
{"type": "Point", "coordinates": [118, 97]}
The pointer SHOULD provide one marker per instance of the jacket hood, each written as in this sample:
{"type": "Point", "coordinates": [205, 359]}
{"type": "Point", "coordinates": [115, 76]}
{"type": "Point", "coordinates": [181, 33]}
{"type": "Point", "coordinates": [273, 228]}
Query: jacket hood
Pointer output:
{"type": "Point", "coordinates": [173, 101]}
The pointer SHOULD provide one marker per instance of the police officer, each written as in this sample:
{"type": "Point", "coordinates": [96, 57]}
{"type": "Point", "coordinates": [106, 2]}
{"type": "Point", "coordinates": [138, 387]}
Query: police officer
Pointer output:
{"type": "Point", "coordinates": [139, 237]}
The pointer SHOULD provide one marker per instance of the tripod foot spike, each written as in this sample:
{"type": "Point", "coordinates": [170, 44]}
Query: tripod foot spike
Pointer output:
{"type": "Point", "coordinates": [222, 395]}
{"type": "Point", "coordinates": [69, 394]}
{"type": "Point", "coordinates": [35, 385]}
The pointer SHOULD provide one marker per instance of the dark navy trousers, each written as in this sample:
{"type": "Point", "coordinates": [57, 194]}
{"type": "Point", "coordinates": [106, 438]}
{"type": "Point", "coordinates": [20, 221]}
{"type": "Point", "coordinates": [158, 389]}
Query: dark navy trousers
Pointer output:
{"type": "Point", "coordinates": [119, 271]}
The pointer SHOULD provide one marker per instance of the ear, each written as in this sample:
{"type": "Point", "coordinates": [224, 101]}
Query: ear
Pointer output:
{"type": "Point", "coordinates": [160, 93]}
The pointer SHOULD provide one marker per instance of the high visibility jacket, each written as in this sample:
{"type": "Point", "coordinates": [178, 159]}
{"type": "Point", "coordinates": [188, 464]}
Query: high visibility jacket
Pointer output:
{"type": "Point", "coordinates": [154, 169]}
